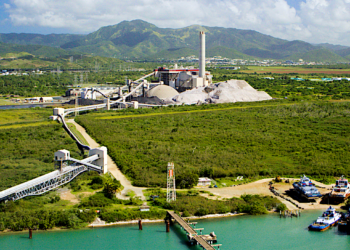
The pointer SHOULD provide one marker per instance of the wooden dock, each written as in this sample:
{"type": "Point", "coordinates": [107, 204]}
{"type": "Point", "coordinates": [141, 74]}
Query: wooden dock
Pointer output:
{"type": "Point", "coordinates": [192, 233]}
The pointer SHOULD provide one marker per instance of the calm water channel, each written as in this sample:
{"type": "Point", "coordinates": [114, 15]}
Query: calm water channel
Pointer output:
{"type": "Point", "coordinates": [243, 232]}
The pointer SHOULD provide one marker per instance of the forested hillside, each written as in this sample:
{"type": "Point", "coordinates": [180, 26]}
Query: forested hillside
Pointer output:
{"type": "Point", "coordinates": [138, 39]}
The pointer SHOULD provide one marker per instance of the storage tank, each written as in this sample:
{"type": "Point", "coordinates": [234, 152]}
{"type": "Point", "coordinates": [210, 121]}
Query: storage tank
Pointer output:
{"type": "Point", "coordinates": [184, 80]}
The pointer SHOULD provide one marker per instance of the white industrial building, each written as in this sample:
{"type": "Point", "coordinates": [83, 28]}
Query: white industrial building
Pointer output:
{"type": "Point", "coordinates": [95, 93]}
{"type": "Point", "coordinates": [184, 79]}
{"type": "Point", "coordinates": [204, 181]}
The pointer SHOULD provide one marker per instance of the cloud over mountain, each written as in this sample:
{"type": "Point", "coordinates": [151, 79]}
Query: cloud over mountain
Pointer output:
{"type": "Point", "coordinates": [315, 21]}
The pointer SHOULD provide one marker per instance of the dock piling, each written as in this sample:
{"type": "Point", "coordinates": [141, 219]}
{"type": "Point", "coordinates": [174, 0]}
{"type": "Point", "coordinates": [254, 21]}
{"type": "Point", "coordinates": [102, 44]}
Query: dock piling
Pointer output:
{"type": "Point", "coordinates": [167, 226]}
{"type": "Point", "coordinates": [192, 235]}
{"type": "Point", "coordinates": [140, 224]}
{"type": "Point", "coordinates": [30, 233]}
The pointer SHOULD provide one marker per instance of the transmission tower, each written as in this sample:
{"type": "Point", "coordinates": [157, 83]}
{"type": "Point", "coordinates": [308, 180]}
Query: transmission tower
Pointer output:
{"type": "Point", "coordinates": [76, 104]}
{"type": "Point", "coordinates": [75, 80]}
{"type": "Point", "coordinates": [81, 78]}
{"type": "Point", "coordinates": [170, 187]}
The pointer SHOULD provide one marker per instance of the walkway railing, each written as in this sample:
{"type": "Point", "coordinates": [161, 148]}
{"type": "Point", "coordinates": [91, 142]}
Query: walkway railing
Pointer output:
{"type": "Point", "coordinates": [198, 238]}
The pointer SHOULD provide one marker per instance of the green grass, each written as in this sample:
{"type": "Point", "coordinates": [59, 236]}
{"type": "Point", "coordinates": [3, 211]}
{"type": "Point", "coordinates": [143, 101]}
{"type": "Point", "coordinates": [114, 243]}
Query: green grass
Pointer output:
{"type": "Point", "coordinates": [21, 116]}
{"type": "Point", "coordinates": [230, 181]}
{"type": "Point", "coordinates": [77, 134]}
{"type": "Point", "coordinates": [307, 138]}
{"type": "Point", "coordinates": [130, 193]}
{"type": "Point", "coordinates": [28, 124]}
{"type": "Point", "coordinates": [5, 101]}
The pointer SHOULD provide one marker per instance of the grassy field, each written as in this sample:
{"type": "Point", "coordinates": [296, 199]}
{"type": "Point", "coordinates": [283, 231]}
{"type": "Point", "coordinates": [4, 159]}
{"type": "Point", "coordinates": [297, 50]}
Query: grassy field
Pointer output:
{"type": "Point", "coordinates": [307, 138]}
{"type": "Point", "coordinates": [77, 133]}
{"type": "Point", "coordinates": [294, 69]}
{"type": "Point", "coordinates": [5, 101]}
{"type": "Point", "coordinates": [18, 116]}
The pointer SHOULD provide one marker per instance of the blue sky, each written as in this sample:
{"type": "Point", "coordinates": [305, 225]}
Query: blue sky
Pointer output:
{"type": "Point", "coordinates": [294, 3]}
{"type": "Point", "coordinates": [315, 21]}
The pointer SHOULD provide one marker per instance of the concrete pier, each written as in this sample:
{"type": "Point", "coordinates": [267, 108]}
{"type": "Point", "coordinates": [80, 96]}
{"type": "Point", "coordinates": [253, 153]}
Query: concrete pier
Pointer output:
{"type": "Point", "coordinates": [202, 240]}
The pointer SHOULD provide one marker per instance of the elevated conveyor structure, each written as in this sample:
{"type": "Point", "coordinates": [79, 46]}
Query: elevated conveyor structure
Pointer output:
{"type": "Point", "coordinates": [80, 144]}
{"type": "Point", "coordinates": [51, 180]}
{"type": "Point", "coordinates": [100, 106]}
{"type": "Point", "coordinates": [66, 174]}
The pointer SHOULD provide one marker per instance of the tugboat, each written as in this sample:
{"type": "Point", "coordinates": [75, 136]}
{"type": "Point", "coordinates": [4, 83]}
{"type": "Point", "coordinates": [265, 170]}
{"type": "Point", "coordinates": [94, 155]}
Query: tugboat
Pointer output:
{"type": "Point", "coordinates": [341, 191]}
{"type": "Point", "coordinates": [306, 189]}
{"type": "Point", "coordinates": [343, 222]}
{"type": "Point", "coordinates": [328, 219]}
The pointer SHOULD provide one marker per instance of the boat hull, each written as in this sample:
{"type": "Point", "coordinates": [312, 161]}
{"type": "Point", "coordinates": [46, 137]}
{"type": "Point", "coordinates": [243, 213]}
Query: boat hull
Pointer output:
{"type": "Point", "coordinates": [342, 226]}
{"type": "Point", "coordinates": [339, 198]}
{"type": "Point", "coordinates": [311, 197]}
{"type": "Point", "coordinates": [321, 228]}
{"type": "Point", "coordinates": [318, 228]}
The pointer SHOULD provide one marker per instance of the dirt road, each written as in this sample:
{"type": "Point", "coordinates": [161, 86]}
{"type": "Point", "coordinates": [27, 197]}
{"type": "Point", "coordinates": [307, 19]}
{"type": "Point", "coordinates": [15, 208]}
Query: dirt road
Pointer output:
{"type": "Point", "coordinates": [112, 167]}
{"type": "Point", "coordinates": [261, 187]}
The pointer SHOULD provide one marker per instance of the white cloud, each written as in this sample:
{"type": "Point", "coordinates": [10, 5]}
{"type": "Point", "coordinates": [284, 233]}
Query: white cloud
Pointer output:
{"type": "Point", "coordinates": [7, 6]}
{"type": "Point", "coordinates": [327, 20]}
{"type": "Point", "coordinates": [315, 21]}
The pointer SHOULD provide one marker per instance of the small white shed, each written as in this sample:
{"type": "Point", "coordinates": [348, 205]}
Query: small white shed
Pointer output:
{"type": "Point", "coordinates": [62, 155]}
{"type": "Point", "coordinates": [204, 181]}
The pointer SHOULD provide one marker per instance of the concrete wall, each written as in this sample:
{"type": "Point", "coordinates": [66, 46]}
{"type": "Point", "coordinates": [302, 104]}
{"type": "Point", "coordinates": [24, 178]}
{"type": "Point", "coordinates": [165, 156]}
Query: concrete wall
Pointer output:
{"type": "Point", "coordinates": [102, 153]}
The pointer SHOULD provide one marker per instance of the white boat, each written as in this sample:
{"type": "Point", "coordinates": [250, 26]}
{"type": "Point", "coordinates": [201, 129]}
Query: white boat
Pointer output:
{"type": "Point", "coordinates": [328, 219]}
{"type": "Point", "coordinates": [341, 191]}
{"type": "Point", "coordinates": [306, 189]}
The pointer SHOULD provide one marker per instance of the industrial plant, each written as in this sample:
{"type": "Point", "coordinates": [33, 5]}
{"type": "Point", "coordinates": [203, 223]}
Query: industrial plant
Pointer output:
{"type": "Point", "coordinates": [178, 86]}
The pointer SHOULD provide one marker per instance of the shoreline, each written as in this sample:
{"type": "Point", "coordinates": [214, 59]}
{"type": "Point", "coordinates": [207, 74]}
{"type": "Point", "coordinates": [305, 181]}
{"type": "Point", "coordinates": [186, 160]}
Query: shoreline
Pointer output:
{"type": "Point", "coordinates": [209, 216]}
{"type": "Point", "coordinates": [131, 222]}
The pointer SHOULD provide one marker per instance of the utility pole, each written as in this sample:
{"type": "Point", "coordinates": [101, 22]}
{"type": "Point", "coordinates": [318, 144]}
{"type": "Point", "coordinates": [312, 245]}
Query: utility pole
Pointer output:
{"type": "Point", "coordinates": [76, 105]}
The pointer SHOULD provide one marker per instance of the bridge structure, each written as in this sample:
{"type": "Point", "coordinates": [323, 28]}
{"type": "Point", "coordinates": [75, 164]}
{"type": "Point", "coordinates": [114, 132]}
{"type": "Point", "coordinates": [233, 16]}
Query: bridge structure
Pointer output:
{"type": "Point", "coordinates": [202, 240]}
{"type": "Point", "coordinates": [69, 169]}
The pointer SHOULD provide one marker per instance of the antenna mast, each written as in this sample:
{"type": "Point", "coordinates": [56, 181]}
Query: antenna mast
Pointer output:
{"type": "Point", "coordinates": [170, 187]}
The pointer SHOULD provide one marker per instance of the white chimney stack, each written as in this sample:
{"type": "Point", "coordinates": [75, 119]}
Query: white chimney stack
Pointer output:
{"type": "Point", "coordinates": [202, 54]}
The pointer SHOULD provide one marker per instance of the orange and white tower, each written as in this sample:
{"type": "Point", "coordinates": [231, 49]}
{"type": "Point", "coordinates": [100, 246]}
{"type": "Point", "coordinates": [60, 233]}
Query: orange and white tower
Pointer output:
{"type": "Point", "coordinates": [170, 188]}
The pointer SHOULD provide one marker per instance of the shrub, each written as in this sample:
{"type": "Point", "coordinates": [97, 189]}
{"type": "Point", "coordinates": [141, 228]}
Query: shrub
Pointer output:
{"type": "Point", "coordinates": [281, 207]}
{"type": "Point", "coordinates": [87, 215]}
{"type": "Point", "coordinates": [97, 200]}
{"type": "Point", "coordinates": [96, 186]}
{"type": "Point", "coordinates": [201, 212]}
{"type": "Point", "coordinates": [256, 209]}
{"type": "Point", "coordinates": [96, 180]}
{"type": "Point", "coordinates": [185, 214]}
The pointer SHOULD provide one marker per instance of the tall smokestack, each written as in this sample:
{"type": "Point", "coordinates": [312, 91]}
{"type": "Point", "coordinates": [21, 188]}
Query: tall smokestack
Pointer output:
{"type": "Point", "coordinates": [202, 54]}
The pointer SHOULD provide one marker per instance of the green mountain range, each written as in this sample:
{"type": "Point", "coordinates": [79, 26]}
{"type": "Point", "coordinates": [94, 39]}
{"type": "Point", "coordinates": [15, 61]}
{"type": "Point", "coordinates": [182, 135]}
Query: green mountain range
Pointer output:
{"type": "Point", "coordinates": [142, 40]}
{"type": "Point", "coordinates": [18, 50]}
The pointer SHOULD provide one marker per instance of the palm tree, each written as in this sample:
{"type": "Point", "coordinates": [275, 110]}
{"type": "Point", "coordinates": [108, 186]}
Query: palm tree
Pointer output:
{"type": "Point", "coordinates": [112, 187]}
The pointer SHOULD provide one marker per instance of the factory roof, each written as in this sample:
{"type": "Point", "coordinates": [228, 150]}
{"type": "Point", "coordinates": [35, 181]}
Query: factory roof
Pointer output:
{"type": "Point", "coordinates": [174, 70]}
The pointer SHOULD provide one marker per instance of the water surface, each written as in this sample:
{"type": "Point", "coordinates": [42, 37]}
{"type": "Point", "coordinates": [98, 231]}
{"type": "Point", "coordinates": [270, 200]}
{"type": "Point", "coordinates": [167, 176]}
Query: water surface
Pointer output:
{"type": "Point", "coordinates": [242, 232]}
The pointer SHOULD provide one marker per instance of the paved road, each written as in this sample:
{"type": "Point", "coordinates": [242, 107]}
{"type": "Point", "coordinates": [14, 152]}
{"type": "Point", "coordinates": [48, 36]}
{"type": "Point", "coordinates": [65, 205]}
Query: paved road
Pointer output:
{"type": "Point", "coordinates": [112, 167]}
